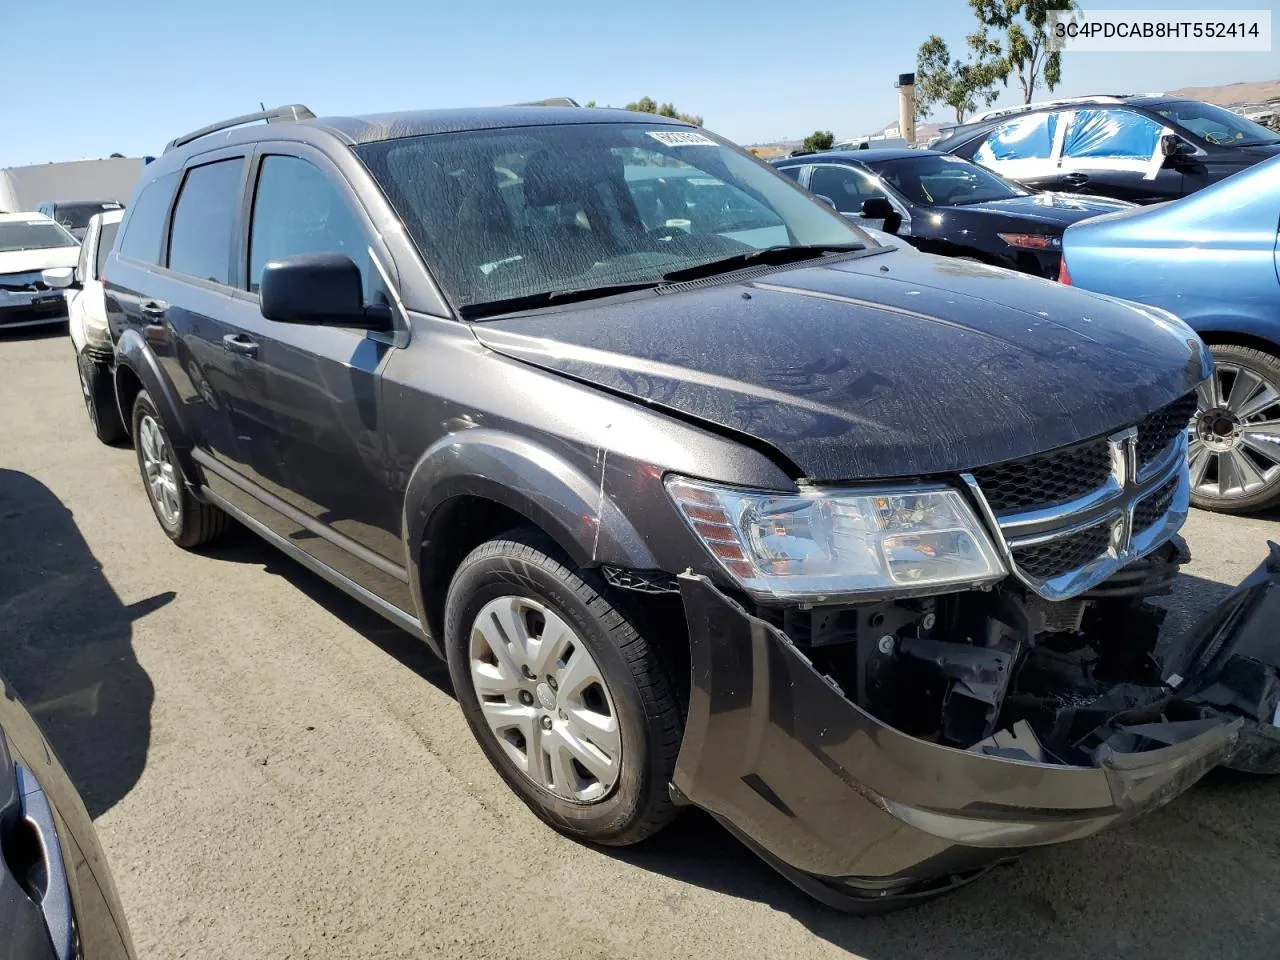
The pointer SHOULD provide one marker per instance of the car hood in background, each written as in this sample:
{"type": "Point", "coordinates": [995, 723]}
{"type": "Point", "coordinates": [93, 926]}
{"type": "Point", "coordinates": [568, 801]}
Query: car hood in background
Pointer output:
{"type": "Point", "coordinates": [891, 365]}
{"type": "Point", "coordinates": [27, 261]}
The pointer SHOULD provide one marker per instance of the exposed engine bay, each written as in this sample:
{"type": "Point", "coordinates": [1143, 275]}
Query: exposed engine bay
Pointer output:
{"type": "Point", "coordinates": [1006, 673]}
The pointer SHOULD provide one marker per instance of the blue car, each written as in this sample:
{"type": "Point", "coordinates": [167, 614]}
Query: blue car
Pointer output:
{"type": "Point", "coordinates": [1211, 258]}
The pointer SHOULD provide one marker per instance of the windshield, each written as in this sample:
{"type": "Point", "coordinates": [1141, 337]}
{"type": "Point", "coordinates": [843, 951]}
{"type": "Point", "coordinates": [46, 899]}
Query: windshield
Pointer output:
{"type": "Point", "coordinates": [33, 235]}
{"type": "Point", "coordinates": [75, 216]}
{"type": "Point", "coordinates": [519, 212]}
{"type": "Point", "coordinates": [940, 180]}
{"type": "Point", "coordinates": [1216, 124]}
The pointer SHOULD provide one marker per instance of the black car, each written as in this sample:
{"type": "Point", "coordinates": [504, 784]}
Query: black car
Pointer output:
{"type": "Point", "coordinates": [945, 205]}
{"type": "Point", "coordinates": [57, 899]}
{"type": "Point", "coordinates": [75, 214]}
{"type": "Point", "coordinates": [705, 495]}
{"type": "Point", "coordinates": [1144, 149]}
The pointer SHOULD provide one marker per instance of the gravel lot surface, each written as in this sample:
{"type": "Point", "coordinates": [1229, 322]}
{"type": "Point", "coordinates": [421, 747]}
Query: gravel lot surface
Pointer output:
{"type": "Point", "coordinates": [277, 773]}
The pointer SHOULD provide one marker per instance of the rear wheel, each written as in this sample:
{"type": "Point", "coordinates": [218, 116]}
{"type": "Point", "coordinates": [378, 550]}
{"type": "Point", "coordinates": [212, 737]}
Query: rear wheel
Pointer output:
{"type": "Point", "coordinates": [569, 702]}
{"type": "Point", "coordinates": [185, 520]}
{"type": "Point", "coordinates": [1234, 443]}
{"type": "Point", "coordinates": [100, 399]}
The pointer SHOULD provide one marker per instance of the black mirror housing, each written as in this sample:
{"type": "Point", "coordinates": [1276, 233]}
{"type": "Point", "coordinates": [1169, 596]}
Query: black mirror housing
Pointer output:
{"type": "Point", "coordinates": [879, 208]}
{"type": "Point", "coordinates": [827, 200]}
{"type": "Point", "coordinates": [1168, 145]}
{"type": "Point", "coordinates": [320, 289]}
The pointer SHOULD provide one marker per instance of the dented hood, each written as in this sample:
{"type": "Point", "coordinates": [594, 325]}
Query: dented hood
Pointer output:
{"type": "Point", "coordinates": [892, 364]}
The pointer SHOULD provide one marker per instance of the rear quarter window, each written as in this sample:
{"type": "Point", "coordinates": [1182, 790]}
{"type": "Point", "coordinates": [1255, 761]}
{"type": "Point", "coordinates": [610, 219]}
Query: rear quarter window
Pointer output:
{"type": "Point", "coordinates": [144, 228]}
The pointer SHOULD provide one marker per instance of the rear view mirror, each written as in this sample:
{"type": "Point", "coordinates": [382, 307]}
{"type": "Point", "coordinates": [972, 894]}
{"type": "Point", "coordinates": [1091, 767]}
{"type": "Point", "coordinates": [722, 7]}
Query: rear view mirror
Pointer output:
{"type": "Point", "coordinates": [59, 277]}
{"type": "Point", "coordinates": [321, 289]}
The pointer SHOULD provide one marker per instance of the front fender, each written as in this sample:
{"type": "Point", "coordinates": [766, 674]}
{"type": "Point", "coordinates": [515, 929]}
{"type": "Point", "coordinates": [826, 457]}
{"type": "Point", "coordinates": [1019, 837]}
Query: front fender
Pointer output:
{"type": "Point", "coordinates": [567, 504]}
{"type": "Point", "coordinates": [133, 353]}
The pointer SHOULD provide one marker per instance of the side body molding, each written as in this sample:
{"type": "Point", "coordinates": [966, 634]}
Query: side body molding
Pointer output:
{"type": "Point", "coordinates": [562, 499]}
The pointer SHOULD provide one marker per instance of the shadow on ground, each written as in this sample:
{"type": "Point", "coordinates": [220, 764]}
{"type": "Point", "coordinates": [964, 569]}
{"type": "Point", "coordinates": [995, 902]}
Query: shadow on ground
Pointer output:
{"type": "Point", "coordinates": [65, 644]}
{"type": "Point", "coordinates": [238, 545]}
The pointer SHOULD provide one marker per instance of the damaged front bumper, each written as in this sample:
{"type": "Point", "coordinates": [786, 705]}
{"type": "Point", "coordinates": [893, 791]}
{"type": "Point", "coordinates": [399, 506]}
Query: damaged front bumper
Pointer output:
{"type": "Point", "coordinates": [865, 817]}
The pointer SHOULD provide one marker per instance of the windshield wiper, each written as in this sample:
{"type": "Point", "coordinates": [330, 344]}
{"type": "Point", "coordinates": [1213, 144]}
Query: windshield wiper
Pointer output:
{"type": "Point", "coordinates": [770, 256]}
{"type": "Point", "coordinates": [533, 301]}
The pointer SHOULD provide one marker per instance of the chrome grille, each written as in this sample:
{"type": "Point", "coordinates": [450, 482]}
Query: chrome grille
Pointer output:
{"type": "Point", "coordinates": [1047, 479]}
{"type": "Point", "coordinates": [1061, 555]}
{"type": "Point", "coordinates": [1072, 517]}
{"type": "Point", "coordinates": [1159, 429]}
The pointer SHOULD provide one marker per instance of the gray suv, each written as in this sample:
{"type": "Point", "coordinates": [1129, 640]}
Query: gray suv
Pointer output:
{"type": "Point", "coordinates": [706, 495]}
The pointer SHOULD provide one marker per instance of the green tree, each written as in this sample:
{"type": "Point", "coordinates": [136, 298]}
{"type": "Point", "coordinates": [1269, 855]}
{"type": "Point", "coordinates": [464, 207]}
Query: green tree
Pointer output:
{"type": "Point", "coordinates": [962, 85]}
{"type": "Point", "coordinates": [819, 140]}
{"type": "Point", "coordinates": [648, 105]}
{"type": "Point", "coordinates": [1026, 52]}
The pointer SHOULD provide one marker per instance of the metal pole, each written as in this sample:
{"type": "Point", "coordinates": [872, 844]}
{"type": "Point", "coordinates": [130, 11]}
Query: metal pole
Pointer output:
{"type": "Point", "coordinates": [907, 106]}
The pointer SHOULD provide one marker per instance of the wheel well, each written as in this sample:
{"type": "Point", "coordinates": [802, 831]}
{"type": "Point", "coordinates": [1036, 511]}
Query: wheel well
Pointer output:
{"type": "Point", "coordinates": [128, 386]}
{"type": "Point", "coordinates": [1235, 339]}
{"type": "Point", "coordinates": [453, 532]}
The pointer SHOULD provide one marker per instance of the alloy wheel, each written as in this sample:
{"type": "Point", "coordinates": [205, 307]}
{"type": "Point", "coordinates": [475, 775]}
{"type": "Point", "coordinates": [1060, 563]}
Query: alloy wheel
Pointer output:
{"type": "Point", "coordinates": [1234, 441]}
{"type": "Point", "coordinates": [161, 477]}
{"type": "Point", "coordinates": [545, 699]}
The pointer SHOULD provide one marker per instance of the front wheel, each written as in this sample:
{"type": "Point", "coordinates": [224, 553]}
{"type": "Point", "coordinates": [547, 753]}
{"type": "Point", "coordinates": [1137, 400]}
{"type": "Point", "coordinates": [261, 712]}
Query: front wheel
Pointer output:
{"type": "Point", "coordinates": [570, 704]}
{"type": "Point", "coordinates": [1234, 443]}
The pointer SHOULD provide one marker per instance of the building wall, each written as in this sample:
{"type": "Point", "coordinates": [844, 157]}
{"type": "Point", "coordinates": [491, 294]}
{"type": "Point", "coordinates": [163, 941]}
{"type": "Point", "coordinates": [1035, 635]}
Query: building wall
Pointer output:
{"type": "Point", "coordinates": [23, 188]}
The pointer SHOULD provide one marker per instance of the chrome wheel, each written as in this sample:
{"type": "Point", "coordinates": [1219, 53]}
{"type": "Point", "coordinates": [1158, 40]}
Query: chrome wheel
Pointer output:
{"type": "Point", "coordinates": [1235, 438]}
{"type": "Point", "coordinates": [545, 699]}
{"type": "Point", "coordinates": [162, 480]}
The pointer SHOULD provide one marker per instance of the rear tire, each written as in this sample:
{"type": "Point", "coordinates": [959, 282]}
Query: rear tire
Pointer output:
{"type": "Point", "coordinates": [185, 520]}
{"type": "Point", "coordinates": [1235, 437]}
{"type": "Point", "coordinates": [99, 392]}
{"type": "Point", "coordinates": [508, 598]}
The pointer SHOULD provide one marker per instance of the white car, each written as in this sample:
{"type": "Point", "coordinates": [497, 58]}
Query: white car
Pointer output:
{"type": "Point", "coordinates": [30, 242]}
{"type": "Point", "coordinates": [87, 316]}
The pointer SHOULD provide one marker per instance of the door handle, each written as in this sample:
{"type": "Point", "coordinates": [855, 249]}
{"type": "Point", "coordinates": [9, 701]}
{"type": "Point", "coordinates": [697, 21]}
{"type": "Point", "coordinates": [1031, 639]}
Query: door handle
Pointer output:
{"type": "Point", "coordinates": [240, 344]}
{"type": "Point", "coordinates": [154, 309]}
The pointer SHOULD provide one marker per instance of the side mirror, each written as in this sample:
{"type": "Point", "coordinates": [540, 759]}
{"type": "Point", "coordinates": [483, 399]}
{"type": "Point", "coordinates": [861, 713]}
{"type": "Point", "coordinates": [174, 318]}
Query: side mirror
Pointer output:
{"type": "Point", "coordinates": [59, 277]}
{"type": "Point", "coordinates": [1168, 145]}
{"type": "Point", "coordinates": [879, 208]}
{"type": "Point", "coordinates": [319, 289]}
{"type": "Point", "coordinates": [827, 200]}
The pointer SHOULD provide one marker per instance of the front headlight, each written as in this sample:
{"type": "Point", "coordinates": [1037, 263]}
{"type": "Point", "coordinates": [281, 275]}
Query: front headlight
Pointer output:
{"type": "Point", "coordinates": [831, 543]}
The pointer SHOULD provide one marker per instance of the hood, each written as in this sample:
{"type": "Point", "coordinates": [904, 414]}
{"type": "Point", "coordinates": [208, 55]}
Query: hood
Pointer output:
{"type": "Point", "coordinates": [26, 261]}
{"type": "Point", "coordinates": [1057, 209]}
{"type": "Point", "coordinates": [889, 365]}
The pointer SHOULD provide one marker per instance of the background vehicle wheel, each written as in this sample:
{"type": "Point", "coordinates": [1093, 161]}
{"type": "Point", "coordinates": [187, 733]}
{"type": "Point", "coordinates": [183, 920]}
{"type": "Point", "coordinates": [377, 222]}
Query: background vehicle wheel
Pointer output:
{"type": "Point", "coordinates": [569, 702]}
{"type": "Point", "coordinates": [1235, 438]}
{"type": "Point", "coordinates": [100, 399]}
{"type": "Point", "coordinates": [186, 520]}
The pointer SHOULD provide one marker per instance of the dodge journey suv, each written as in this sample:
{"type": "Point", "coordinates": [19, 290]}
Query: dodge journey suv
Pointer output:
{"type": "Point", "coordinates": [706, 495]}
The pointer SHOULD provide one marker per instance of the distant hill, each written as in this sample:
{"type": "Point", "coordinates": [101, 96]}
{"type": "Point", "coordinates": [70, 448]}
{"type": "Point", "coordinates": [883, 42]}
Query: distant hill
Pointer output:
{"type": "Point", "coordinates": [1232, 94]}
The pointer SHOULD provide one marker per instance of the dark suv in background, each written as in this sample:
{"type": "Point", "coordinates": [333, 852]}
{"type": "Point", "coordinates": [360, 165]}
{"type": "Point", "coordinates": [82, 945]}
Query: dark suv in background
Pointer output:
{"type": "Point", "coordinates": [705, 495]}
{"type": "Point", "coordinates": [1143, 149]}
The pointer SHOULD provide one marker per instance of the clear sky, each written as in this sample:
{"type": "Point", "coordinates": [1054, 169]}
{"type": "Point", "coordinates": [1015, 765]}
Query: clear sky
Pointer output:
{"type": "Point", "coordinates": [96, 76]}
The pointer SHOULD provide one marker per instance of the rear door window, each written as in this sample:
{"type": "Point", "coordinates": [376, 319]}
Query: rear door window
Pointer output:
{"type": "Point", "coordinates": [200, 238]}
{"type": "Point", "coordinates": [1025, 138]}
{"type": "Point", "coordinates": [145, 227]}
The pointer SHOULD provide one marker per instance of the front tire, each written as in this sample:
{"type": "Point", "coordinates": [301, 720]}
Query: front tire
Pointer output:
{"type": "Point", "coordinates": [568, 701]}
{"type": "Point", "coordinates": [99, 392]}
{"type": "Point", "coordinates": [1234, 444]}
{"type": "Point", "coordinates": [185, 520]}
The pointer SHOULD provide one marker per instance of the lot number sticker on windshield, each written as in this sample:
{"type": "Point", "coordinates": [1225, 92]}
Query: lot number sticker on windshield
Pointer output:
{"type": "Point", "coordinates": [678, 138]}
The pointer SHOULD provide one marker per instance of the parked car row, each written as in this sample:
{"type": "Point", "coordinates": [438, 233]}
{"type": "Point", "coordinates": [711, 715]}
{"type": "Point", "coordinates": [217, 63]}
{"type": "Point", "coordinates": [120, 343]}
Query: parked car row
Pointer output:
{"type": "Point", "coordinates": [706, 494]}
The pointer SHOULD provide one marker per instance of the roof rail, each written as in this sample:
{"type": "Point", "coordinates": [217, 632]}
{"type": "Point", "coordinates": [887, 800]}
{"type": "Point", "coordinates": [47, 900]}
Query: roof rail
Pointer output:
{"type": "Point", "coordinates": [1062, 102]}
{"type": "Point", "coordinates": [294, 111]}
{"type": "Point", "coordinates": [550, 102]}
